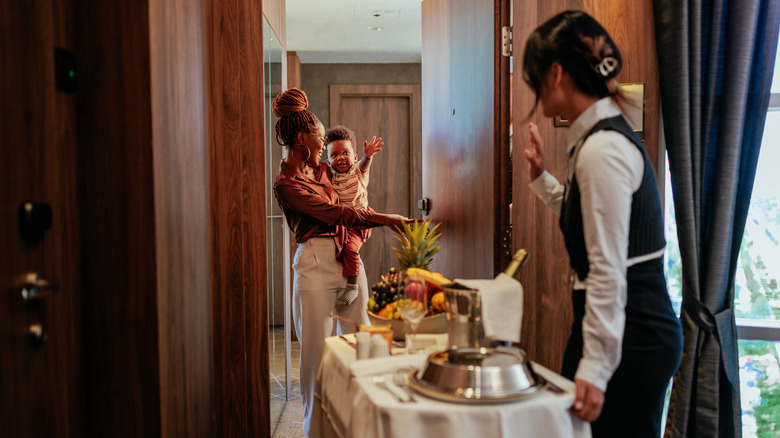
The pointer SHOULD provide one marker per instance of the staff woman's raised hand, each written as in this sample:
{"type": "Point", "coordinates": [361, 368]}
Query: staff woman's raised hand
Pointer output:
{"type": "Point", "coordinates": [534, 155]}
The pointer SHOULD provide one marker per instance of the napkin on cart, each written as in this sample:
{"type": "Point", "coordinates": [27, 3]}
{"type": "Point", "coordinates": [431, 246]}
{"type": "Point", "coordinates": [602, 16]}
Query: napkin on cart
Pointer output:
{"type": "Point", "coordinates": [502, 306]}
{"type": "Point", "coordinates": [387, 364]}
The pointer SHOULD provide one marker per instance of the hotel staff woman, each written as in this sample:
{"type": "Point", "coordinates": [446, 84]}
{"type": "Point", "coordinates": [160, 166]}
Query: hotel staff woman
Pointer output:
{"type": "Point", "coordinates": [626, 341]}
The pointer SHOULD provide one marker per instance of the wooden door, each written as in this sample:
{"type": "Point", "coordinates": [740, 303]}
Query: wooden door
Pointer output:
{"type": "Point", "coordinates": [40, 386]}
{"type": "Point", "coordinates": [465, 132]}
{"type": "Point", "coordinates": [393, 113]}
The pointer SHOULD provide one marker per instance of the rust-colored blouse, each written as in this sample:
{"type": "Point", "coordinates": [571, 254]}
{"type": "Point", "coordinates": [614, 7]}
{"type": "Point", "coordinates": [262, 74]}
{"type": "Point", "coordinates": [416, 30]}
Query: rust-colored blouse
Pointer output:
{"type": "Point", "coordinates": [312, 207]}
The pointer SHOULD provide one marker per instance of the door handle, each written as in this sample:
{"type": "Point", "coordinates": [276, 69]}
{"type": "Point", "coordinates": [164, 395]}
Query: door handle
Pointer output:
{"type": "Point", "coordinates": [37, 287]}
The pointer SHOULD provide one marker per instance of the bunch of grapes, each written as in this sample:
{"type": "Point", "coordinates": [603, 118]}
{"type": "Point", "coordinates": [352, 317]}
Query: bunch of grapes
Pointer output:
{"type": "Point", "coordinates": [385, 292]}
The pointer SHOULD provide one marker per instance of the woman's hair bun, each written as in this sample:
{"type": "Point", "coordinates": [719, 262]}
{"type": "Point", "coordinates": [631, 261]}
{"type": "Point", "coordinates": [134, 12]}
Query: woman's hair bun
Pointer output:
{"type": "Point", "coordinates": [289, 102]}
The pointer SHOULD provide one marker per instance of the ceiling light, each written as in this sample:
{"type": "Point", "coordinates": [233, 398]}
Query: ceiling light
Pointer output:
{"type": "Point", "coordinates": [376, 28]}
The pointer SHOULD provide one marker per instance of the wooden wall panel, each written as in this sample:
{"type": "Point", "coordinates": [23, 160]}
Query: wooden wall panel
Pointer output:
{"type": "Point", "coordinates": [632, 27]}
{"type": "Point", "coordinates": [547, 310]}
{"type": "Point", "coordinates": [293, 70]}
{"type": "Point", "coordinates": [182, 217]}
{"type": "Point", "coordinates": [117, 220]}
{"type": "Point", "coordinates": [235, 170]}
{"type": "Point", "coordinates": [275, 12]}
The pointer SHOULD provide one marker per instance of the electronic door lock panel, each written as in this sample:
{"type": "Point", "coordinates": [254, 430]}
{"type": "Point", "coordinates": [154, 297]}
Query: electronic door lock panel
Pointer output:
{"type": "Point", "coordinates": [34, 219]}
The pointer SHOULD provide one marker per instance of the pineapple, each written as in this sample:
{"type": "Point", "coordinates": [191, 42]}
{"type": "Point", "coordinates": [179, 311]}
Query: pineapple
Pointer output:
{"type": "Point", "coordinates": [418, 244]}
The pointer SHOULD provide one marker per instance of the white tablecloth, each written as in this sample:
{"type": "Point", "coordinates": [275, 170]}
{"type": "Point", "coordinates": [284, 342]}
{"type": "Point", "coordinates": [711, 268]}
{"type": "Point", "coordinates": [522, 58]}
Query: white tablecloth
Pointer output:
{"type": "Point", "coordinates": [348, 404]}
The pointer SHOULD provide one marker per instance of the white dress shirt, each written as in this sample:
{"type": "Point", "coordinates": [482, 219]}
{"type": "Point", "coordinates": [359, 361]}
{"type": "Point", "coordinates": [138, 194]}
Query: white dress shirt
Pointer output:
{"type": "Point", "coordinates": [609, 170]}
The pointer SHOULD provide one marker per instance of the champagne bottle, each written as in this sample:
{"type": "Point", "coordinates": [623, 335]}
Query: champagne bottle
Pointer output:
{"type": "Point", "coordinates": [519, 259]}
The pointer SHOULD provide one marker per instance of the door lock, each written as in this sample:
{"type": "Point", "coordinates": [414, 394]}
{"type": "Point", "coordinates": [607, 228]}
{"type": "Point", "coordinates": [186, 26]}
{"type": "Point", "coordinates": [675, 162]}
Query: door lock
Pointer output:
{"type": "Point", "coordinates": [424, 205]}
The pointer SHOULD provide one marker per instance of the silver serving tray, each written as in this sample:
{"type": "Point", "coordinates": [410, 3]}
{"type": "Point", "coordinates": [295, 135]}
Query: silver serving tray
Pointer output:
{"type": "Point", "coordinates": [477, 375]}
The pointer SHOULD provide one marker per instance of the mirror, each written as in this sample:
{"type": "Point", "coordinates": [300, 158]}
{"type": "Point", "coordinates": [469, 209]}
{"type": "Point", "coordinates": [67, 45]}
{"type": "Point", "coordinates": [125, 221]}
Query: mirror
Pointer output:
{"type": "Point", "coordinates": [278, 304]}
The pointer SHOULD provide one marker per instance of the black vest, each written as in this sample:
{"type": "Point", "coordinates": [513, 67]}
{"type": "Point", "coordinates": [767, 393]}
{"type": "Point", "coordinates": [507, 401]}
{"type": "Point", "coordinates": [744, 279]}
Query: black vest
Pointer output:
{"type": "Point", "coordinates": [646, 228]}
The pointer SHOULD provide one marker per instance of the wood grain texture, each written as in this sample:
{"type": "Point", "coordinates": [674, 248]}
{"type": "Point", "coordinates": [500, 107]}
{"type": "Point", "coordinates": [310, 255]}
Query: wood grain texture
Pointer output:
{"type": "Point", "coordinates": [117, 219]}
{"type": "Point", "coordinates": [38, 163]}
{"type": "Point", "coordinates": [237, 213]}
{"type": "Point", "coordinates": [547, 312]}
{"type": "Point", "coordinates": [317, 78]}
{"type": "Point", "coordinates": [275, 12]}
{"type": "Point", "coordinates": [181, 215]}
{"type": "Point", "coordinates": [393, 113]}
{"type": "Point", "coordinates": [293, 70]}
{"type": "Point", "coordinates": [253, 165]}
{"type": "Point", "coordinates": [459, 156]}
{"type": "Point", "coordinates": [632, 28]}
{"type": "Point", "coordinates": [137, 229]}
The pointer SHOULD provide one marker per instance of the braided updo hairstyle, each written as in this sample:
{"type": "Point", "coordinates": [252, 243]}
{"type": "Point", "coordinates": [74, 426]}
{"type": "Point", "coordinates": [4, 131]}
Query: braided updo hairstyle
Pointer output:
{"type": "Point", "coordinates": [581, 46]}
{"type": "Point", "coordinates": [290, 106]}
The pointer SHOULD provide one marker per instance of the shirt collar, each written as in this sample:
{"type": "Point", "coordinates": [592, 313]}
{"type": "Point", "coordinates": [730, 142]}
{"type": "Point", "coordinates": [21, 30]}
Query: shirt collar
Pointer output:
{"type": "Point", "coordinates": [289, 171]}
{"type": "Point", "coordinates": [604, 108]}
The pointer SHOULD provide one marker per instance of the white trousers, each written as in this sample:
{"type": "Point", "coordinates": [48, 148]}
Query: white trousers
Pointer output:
{"type": "Point", "coordinates": [316, 284]}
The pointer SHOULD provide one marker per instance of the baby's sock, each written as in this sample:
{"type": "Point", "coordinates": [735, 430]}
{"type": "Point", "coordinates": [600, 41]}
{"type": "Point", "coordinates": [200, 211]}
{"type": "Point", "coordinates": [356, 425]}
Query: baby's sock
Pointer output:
{"type": "Point", "coordinates": [348, 296]}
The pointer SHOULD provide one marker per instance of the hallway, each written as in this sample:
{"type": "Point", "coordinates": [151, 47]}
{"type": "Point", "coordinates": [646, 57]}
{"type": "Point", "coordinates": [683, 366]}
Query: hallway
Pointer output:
{"type": "Point", "coordinates": [289, 414]}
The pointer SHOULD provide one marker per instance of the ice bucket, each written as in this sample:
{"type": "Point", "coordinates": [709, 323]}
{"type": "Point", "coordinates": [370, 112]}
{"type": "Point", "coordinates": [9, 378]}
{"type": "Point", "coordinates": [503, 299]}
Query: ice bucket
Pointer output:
{"type": "Point", "coordinates": [464, 317]}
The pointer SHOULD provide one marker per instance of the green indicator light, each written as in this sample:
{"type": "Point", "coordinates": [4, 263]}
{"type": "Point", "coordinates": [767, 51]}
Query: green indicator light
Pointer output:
{"type": "Point", "coordinates": [71, 73]}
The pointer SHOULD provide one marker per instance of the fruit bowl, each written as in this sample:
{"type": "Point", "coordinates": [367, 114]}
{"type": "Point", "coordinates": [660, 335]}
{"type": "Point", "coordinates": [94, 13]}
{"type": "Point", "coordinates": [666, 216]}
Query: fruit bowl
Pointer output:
{"type": "Point", "coordinates": [430, 324]}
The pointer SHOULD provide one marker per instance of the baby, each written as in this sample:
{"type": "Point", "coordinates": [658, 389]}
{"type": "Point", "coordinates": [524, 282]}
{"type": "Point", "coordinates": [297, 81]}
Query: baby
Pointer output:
{"type": "Point", "coordinates": [350, 179]}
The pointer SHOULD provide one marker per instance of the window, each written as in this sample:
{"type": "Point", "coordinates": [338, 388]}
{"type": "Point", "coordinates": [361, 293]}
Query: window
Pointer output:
{"type": "Point", "coordinates": [757, 293]}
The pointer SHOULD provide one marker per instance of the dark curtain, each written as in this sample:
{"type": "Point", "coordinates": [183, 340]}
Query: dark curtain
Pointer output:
{"type": "Point", "coordinates": [715, 63]}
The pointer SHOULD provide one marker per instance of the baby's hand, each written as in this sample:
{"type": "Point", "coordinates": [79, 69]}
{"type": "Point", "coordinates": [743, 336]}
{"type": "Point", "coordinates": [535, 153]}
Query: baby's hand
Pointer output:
{"type": "Point", "coordinates": [372, 147]}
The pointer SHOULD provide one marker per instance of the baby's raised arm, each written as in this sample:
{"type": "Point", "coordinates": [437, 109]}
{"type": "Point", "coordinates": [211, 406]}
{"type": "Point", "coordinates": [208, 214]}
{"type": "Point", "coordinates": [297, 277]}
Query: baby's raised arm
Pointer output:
{"type": "Point", "coordinates": [369, 149]}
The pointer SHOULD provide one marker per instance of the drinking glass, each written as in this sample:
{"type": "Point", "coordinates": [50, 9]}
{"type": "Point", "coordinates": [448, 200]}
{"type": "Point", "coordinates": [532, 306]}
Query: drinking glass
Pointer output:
{"type": "Point", "coordinates": [413, 306]}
